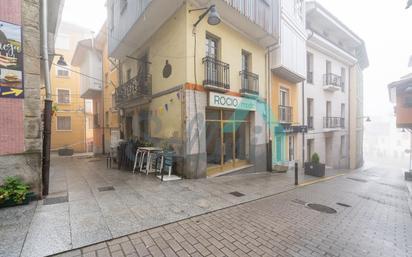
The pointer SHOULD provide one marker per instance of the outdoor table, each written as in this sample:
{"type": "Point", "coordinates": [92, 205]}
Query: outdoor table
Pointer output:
{"type": "Point", "coordinates": [148, 151]}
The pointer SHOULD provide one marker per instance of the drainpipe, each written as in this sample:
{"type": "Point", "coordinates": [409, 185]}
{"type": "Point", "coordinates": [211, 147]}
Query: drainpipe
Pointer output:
{"type": "Point", "coordinates": [303, 123]}
{"type": "Point", "coordinates": [47, 102]}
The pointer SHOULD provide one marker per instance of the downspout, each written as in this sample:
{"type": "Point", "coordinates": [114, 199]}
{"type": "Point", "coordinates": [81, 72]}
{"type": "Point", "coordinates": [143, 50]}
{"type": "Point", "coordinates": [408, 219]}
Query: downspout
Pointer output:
{"type": "Point", "coordinates": [47, 102]}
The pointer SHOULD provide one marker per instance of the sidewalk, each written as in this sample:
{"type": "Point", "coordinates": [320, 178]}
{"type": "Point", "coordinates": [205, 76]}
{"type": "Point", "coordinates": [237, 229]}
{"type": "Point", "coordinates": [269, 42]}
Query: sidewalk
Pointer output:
{"type": "Point", "coordinates": [89, 204]}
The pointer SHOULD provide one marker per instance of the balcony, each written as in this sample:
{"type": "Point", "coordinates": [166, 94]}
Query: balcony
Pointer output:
{"type": "Point", "coordinates": [249, 84]}
{"type": "Point", "coordinates": [136, 89]}
{"type": "Point", "coordinates": [333, 122]}
{"type": "Point", "coordinates": [285, 114]}
{"type": "Point", "coordinates": [332, 82]}
{"type": "Point", "coordinates": [217, 75]}
{"type": "Point", "coordinates": [310, 123]}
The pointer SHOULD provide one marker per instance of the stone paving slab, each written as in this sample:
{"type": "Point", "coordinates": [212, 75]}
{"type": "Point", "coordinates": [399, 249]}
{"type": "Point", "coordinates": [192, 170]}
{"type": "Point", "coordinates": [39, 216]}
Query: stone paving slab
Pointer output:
{"type": "Point", "coordinates": [376, 223]}
{"type": "Point", "coordinates": [138, 202]}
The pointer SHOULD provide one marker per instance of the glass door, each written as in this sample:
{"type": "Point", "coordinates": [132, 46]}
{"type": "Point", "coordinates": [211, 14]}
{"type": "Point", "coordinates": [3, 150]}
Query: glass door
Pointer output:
{"type": "Point", "coordinates": [228, 144]}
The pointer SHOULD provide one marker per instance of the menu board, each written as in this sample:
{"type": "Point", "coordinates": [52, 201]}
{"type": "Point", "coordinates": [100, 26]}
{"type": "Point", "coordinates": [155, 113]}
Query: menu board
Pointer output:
{"type": "Point", "coordinates": [11, 61]}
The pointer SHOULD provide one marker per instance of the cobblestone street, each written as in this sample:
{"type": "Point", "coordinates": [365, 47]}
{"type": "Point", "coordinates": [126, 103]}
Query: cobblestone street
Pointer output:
{"type": "Point", "coordinates": [376, 221]}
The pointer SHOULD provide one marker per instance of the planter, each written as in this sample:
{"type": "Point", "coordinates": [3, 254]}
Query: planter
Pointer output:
{"type": "Point", "coordinates": [408, 175]}
{"type": "Point", "coordinates": [66, 152]}
{"type": "Point", "coordinates": [10, 203]}
{"type": "Point", "coordinates": [280, 168]}
{"type": "Point", "coordinates": [315, 169]}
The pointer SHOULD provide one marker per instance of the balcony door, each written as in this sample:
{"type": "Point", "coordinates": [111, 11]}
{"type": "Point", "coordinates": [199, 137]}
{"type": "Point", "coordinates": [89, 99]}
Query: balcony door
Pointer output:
{"type": "Point", "coordinates": [284, 103]}
{"type": "Point", "coordinates": [212, 51]}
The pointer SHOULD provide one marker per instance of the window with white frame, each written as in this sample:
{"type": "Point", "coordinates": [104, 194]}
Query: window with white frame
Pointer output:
{"type": "Point", "coordinates": [63, 96]}
{"type": "Point", "coordinates": [64, 123]}
{"type": "Point", "coordinates": [342, 146]}
{"type": "Point", "coordinates": [62, 71]}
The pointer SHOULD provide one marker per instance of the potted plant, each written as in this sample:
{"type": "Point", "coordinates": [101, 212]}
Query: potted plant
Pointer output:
{"type": "Point", "coordinates": [314, 167]}
{"type": "Point", "coordinates": [14, 192]}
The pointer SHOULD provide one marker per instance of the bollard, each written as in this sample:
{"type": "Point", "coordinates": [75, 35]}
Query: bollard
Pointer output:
{"type": "Point", "coordinates": [296, 174]}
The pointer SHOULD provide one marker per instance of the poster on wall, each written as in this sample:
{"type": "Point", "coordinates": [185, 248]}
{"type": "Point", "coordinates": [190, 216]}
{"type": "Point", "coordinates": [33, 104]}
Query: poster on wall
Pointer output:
{"type": "Point", "coordinates": [11, 61]}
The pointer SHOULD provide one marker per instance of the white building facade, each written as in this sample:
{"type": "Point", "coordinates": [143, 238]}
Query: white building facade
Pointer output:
{"type": "Point", "coordinates": [333, 112]}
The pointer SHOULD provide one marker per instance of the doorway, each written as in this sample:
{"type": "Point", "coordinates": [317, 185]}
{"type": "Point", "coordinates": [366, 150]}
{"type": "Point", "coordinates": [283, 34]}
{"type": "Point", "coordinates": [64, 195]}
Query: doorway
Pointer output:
{"type": "Point", "coordinates": [227, 140]}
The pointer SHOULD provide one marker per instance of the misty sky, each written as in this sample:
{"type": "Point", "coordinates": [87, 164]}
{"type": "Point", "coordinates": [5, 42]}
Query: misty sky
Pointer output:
{"type": "Point", "coordinates": [384, 25]}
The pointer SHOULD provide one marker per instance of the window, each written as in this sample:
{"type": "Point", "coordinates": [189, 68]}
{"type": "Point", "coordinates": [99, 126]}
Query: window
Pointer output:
{"type": "Point", "coordinates": [112, 16]}
{"type": "Point", "coordinates": [106, 119]}
{"type": "Point", "coordinates": [310, 146]}
{"type": "Point", "coordinates": [64, 123]}
{"type": "Point", "coordinates": [291, 148]}
{"type": "Point", "coordinates": [310, 113]}
{"type": "Point", "coordinates": [309, 64]}
{"type": "Point", "coordinates": [63, 96]}
{"type": "Point", "coordinates": [106, 79]}
{"type": "Point", "coordinates": [343, 78]}
{"type": "Point", "coordinates": [408, 101]}
{"type": "Point", "coordinates": [342, 146]}
{"type": "Point", "coordinates": [342, 110]}
{"type": "Point", "coordinates": [328, 67]}
{"type": "Point", "coordinates": [62, 72]}
{"type": "Point", "coordinates": [128, 74]}
{"type": "Point", "coordinates": [246, 62]}
{"type": "Point", "coordinates": [212, 47]}
{"type": "Point", "coordinates": [123, 6]}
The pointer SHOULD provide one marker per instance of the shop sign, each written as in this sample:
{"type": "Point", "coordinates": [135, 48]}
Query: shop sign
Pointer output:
{"type": "Point", "coordinates": [231, 102]}
{"type": "Point", "coordinates": [11, 61]}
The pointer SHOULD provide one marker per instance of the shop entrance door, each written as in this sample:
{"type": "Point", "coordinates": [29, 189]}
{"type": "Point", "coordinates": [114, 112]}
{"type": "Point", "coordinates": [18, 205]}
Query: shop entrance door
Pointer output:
{"type": "Point", "coordinates": [227, 140]}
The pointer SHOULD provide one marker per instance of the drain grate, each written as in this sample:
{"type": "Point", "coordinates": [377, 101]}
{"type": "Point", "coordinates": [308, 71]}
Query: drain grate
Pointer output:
{"type": "Point", "coordinates": [343, 204]}
{"type": "Point", "coordinates": [358, 180]}
{"type": "Point", "coordinates": [237, 194]}
{"type": "Point", "coordinates": [55, 200]}
{"type": "Point", "coordinates": [321, 208]}
{"type": "Point", "coordinates": [104, 189]}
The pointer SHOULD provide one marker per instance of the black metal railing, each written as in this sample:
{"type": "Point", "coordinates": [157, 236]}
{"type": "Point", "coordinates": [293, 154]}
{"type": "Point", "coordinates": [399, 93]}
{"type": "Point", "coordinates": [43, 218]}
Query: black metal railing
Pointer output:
{"type": "Point", "coordinates": [310, 122]}
{"type": "Point", "coordinates": [309, 76]}
{"type": "Point", "coordinates": [333, 79]}
{"type": "Point", "coordinates": [249, 83]}
{"type": "Point", "coordinates": [217, 73]}
{"type": "Point", "coordinates": [333, 122]}
{"type": "Point", "coordinates": [285, 114]}
{"type": "Point", "coordinates": [135, 88]}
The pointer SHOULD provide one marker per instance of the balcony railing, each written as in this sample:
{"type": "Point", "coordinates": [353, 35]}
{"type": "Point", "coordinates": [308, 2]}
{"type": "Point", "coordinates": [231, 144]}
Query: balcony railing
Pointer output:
{"type": "Point", "coordinates": [285, 114]}
{"type": "Point", "coordinates": [332, 81]}
{"type": "Point", "coordinates": [333, 122]}
{"type": "Point", "coordinates": [249, 83]}
{"type": "Point", "coordinates": [217, 74]}
{"type": "Point", "coordinates": [136, 88]}
{"type": "Point", "coordinates": [309, 76]}
{"type": "Point", "coordinates": [310, 123]}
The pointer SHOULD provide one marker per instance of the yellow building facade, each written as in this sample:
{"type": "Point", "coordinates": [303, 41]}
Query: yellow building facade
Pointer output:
{"type": "Point", "coordinates": [72, 115]}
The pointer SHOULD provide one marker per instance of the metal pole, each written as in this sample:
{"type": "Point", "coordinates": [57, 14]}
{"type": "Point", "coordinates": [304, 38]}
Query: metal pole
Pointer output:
{"type": "Point", "coordinates": [47, 102]}
{"type": "Point", "coordinates": [296, 174]}
{"type": "Point", "coordinates": [303, 123]}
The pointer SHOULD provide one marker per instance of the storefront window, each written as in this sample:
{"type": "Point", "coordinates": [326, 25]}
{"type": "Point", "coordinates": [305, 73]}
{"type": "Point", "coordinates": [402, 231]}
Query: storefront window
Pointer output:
{"type": "Point", "coordinates": [227, 139]}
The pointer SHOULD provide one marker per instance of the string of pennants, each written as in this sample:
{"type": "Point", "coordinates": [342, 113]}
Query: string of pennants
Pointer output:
{"type": "Point", "coordinates": [165, 107]}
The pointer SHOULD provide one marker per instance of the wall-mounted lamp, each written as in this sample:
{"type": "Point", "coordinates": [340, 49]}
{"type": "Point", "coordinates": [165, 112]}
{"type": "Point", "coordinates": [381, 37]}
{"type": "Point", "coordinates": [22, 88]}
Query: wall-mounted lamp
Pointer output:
{"type": "Point", "coordinates": [61, 61]}
{"type": "Point", "coordinates": [368, 118]}
{"type": "Point", "coordinates": [213, 19]}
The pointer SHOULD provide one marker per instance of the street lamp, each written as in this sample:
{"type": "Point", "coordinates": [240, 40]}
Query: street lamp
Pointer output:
{"type": "Point", "coordinates": [408, 4]}
{"type": "Point", "coordinates": [61, 61]}
{"type": "Point", "coordinates": [213, 19]}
